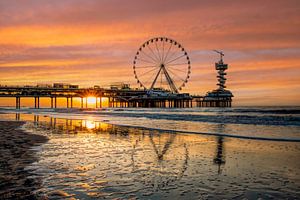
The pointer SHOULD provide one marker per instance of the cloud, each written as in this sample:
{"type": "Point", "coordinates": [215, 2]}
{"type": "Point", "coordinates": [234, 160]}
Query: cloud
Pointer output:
{"type": "Point", "coordinates": [94, 42]}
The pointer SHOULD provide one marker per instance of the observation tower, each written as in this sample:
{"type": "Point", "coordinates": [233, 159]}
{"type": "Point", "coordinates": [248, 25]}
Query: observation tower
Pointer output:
{"type": "Point", "coordinates": [219, 97]}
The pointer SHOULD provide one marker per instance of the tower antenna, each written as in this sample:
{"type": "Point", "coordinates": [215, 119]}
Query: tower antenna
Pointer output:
{"type": "Point", "coordinates": [221, 54]}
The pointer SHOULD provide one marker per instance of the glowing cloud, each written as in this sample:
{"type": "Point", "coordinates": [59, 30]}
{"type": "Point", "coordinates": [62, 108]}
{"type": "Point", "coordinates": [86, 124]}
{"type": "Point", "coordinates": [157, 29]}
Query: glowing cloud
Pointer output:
{"type": "Point", "coordinates": [93, 43]}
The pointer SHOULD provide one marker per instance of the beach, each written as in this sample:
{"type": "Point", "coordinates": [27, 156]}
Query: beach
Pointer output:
{"type": "Point", "coordinates": [90, 159]}
{"type": "Point", "coordinates": [16, 154]}
{"type": "Point", "coordinates": [121, 154]}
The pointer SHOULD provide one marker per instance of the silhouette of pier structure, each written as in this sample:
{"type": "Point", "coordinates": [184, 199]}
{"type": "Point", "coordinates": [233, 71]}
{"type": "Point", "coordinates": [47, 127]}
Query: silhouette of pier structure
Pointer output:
{"type": "Point", "coordinates": [120, 98]}
{"type": "Point", "coordinates": [219, 97]}
{"type": "Point", "coordinates": [160, 74]}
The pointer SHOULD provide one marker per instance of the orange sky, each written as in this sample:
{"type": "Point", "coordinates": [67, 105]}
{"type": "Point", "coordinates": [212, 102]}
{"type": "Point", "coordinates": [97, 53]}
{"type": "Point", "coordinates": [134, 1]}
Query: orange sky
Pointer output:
{"type": "Point", "coordinates": [90, 43]}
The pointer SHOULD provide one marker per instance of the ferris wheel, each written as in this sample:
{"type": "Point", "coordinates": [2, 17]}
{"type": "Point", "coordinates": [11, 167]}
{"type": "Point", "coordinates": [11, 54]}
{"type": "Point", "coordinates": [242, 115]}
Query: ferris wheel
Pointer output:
{"type": "Point", "coordinates": [162, 63]}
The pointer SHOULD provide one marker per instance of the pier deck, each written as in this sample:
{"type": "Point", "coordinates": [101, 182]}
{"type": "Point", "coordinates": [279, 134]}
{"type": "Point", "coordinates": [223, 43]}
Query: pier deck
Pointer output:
{"type": "Point", "coordinates": [116, 97]}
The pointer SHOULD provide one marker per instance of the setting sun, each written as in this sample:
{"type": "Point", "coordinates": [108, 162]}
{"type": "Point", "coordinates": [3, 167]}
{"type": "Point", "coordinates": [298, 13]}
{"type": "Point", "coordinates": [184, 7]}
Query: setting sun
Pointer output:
{"type": "Point", "coordinates": [91, 100]}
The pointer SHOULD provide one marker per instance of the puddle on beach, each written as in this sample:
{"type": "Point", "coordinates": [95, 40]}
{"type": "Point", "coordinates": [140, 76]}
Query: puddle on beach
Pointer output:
{"type": "Point", "coordinates": [84, 159]}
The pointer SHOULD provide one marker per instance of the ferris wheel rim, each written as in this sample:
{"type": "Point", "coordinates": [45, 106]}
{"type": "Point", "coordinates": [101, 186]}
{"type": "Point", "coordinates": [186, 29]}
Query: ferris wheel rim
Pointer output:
{"type": "Point", "coordinates": [161, 60]}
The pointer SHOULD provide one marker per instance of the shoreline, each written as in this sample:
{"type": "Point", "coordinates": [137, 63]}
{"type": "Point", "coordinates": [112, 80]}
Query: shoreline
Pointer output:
{"type": "Point", "coordinates": [114, 120]}
{"type": "Point", "coordinates": [119, 156]}
{"type": "Point", "coordinates": [16, 154]}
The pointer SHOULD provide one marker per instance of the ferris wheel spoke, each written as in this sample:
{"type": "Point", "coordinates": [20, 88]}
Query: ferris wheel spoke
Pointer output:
{"type": "Point", "coordinates": [176, 75]}
{"type": "Point", "coordinates": [153, 53]}
{"type": "Point", "coordinates": [146, 61]}
{"type": "Point", "coordinates": [145, 73]}
{"type": "Point", "coordinates": [150, 66]}
{"type": "Point", "coordinates": [171, 56]}
{"type": "Point", "coordinates": [158, 52]}
{"type": "Point", "coordinates": [163, 52]}
{"type": "Point", "coordinates": [179, 64]}
{"type": "Point", "coordinates": [154, 60]}
{"type": "Point", "coordinates": [165, 58]}
{"type": "Point", "coordinates": [180, 70]}
{"type": "Point", "coordinates": [175, 59]}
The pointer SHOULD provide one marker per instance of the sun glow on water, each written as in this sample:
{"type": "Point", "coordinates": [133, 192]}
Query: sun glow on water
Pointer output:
{"type": "Point", "coordinates": [90, 124]}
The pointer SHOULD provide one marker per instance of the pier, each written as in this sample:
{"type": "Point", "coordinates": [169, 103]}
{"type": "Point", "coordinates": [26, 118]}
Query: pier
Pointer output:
{"type": "Point", "coordinates": [117, 98]}
{"type": "Point", "coordinates": [160, 75]}
{"type": "Point", "coordinates": [219, 97]}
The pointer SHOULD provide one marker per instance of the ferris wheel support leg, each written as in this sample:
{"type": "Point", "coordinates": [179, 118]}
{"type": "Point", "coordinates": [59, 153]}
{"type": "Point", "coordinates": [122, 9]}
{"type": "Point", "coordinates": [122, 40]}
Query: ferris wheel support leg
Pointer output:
{"type": "Point", "coordinates": [153, 83]}
{"type": "Point", "coordinates": [170, 81]}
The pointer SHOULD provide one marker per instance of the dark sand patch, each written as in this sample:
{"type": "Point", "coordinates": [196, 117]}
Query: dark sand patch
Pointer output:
{"type": "Point", "coordinates": [16, 154]}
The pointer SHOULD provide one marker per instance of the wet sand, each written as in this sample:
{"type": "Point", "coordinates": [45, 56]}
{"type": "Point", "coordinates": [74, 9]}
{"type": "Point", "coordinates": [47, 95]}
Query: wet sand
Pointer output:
{"type": "Point", "coordinates": [89, 160]}
{"type": "Point", "coordinates": [85, 159]}
{"type": "Point", "coordinates": [16, 154]}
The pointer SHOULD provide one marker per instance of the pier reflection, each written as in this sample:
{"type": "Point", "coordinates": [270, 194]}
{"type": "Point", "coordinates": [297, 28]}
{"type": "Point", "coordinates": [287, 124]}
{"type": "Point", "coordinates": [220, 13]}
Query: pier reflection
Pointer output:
{"type": "Point", "coordinates": [156, 159]}
{"type": "Point", "coordinates": [157, 148]}
{"type": "Point", "coordinates": [161, 143]}
{"type": "Point", "coordinates": [220, 158]}
{"type": "Point", "coordinates": [88, 159]}
{"type": "Point", "coordinates": [17, 116]}
{"type": "Point", "coordinates": [164, 166]}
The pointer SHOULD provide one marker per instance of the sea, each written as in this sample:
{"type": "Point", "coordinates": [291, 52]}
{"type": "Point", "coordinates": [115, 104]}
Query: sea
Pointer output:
{"type": "Point", "coordinates": [165, 153]}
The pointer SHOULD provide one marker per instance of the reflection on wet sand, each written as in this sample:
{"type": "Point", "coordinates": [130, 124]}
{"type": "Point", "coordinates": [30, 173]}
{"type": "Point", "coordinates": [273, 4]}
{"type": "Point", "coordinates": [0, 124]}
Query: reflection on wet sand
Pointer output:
{"type": "Point", "coordinates": [219, 158]}
{"type": "Point", "coordinates": [89, 159]}
{"type": "Point", "coordinates": [161, 144]}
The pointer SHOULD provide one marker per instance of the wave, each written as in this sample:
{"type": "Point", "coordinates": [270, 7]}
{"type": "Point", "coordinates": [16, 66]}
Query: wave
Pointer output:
{"type": "Point", "coordinates": [250, 116]}
{"type": "Point", "coordinates": [216, 134]}
{"type": "Point", "coordinates": [276, 127]}
{"type": "Point", "coordinates": [216, 118]}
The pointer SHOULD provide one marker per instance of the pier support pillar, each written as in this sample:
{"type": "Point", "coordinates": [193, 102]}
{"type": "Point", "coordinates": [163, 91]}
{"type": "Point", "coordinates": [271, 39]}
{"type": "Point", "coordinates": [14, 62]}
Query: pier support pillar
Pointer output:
{"type": "Point", "coordinates": [17, 116]}
{"type": "Point", "coordinates": [36, 102]}
{"type": "Point", "coordinates": [36, 118]}
{"type": "Point", "coordinates": [55, 102]}
{"type": "Point", "coordinates": [18, 102]}
{"type": "Point", "coordinates": [54, 122]}
{"type": "Point", "coordinates": [81, 104]}
{"type": "Point", "coordinates": [51, 102]}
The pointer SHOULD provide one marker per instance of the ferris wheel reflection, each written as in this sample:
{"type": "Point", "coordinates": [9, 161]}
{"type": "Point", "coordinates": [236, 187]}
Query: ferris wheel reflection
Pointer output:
{"type": "Point", "coordinates": [158, 158]}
